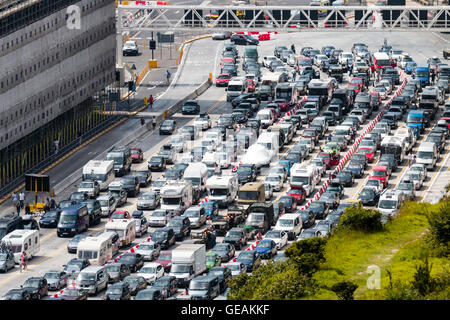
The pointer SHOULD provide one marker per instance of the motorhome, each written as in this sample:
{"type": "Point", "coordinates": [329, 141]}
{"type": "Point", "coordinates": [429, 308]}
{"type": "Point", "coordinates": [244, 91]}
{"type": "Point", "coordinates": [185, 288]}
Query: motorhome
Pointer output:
{"type": "Point", "coordinates": [125, 228]}
{"type": "Point", "coordinates": [177, 196]}
{"type": "Point", "coordinates": [196, 173]}
{"type": "Point", "coordinates": [222, 189]}
{"type": "Point", "coordinates": [427, 154]}
{"type": "Point", "coordinates": [394, 145]}
{"type": "Point", "coordinates": [22, 240]}
{"type": "Point", "coordinates": [322, 88]}
{"type": "Point", "coordinates": [285, 91]}
{"type": "Point", "coordinates": [270, 140]}
{"type": "Point", "coordinates": [100, 171]}
{"type": "Point", "coordinates": [96, 249]}
{"type": "Point", "coordinates": [305, 176]}
{"type": "Point", "coordinates": [113, 241]}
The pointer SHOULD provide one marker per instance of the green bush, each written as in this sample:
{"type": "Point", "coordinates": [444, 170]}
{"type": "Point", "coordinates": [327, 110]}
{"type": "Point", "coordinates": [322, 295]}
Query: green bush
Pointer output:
{"type": "Point", "coordinates": [359, 219]}
{"type": "Point", "coordinates": [423, 282]}
{"type": "Point", "coordinates": [439, 221]}
{"type": "Point", "coordinates": [315, 246]}
{"type": "Point", "coordinates": [344, 289]}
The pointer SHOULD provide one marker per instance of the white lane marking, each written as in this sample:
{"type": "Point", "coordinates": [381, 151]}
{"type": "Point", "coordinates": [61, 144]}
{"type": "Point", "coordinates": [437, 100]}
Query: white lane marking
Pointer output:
{"type": "Point", "coordinates": [436, 176]}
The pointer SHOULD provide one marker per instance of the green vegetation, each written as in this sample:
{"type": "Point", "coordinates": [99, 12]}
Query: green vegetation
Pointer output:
{"type": "Point", "coordinates": [409, 256]}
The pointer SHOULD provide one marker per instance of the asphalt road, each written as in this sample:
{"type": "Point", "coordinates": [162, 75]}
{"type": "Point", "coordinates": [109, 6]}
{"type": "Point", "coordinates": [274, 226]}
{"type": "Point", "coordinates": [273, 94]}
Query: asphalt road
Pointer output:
{"type": "Point", "coordinates": [201, 60]}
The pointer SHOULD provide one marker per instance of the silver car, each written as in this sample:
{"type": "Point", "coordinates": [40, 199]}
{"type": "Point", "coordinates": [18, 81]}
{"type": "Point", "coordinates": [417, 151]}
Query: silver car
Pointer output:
{"type": "Point", "coordinates": [275, 180]}
{"type": "Point", "coordinates": [236, 268]}
{"type": "Point", "coordinates": [56, 279]}
{"type": "Point", "coordinates": [117, 271]}
{"type": "Point", "coordinates": [196, 216]}
{"type": "Point", "coordinates": [159, 218]}
{"type": "Point", "coordinates": [416, 177]}
{"type": "Point", "coordinates": [148, 201]}
{"type": "Point", "coordinates": [149, 250]}
{"type": "Point", "coordinates": [407, 188]}
{"type": "Point", "coordinates": [108, 204]}
{"type": "Point", "coordinates": [92, 188]}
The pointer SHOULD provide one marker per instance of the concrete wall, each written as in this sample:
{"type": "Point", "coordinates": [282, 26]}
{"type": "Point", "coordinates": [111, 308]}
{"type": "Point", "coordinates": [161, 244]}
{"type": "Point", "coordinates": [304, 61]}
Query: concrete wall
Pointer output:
{"type": "Point", "coordinates": [71, 65]}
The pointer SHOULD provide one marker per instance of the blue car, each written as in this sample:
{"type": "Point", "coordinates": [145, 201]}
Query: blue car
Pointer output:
{"type": "Point", "coordinates": [267, 249]}
{"type": "Point", "coordinates": [410, 67]}
{"type": "Point", "coordinates": [287, 164]}
{"type": "Point", "coordinates": [250, 258]}
{"type": "Point", "coordinates": [211, 208]}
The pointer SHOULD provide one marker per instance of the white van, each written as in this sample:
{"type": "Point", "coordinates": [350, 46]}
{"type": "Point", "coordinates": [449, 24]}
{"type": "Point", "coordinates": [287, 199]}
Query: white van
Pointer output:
{"type": "Point", "coordinates": [222, 189]}
{"type": "Point", "coordinates": [126, 229]}
{"type": "Point", "coordinates": [92, 279]}
{"type": "Point", "coordinates": [234, 89]}
{"type": "Point", "coordinates": [100, 171]}
{"type": "Point", "coordinates": [266, 116]}
{"type": "Point", "coordinates": [290, 223]}
{"type": "Point", "coordinates": [97, 250]}
{"type": "Point", "coordinates": [389, 203]}
{"type": "Point", "coordinates": [427, 154]}
{"type": "Point", "coordinates": [23, 240]}
{"type": "Point", "coordinates": [304, 175]}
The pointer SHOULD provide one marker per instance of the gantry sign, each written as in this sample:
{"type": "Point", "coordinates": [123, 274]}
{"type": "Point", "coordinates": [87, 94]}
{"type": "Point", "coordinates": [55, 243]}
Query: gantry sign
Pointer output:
{"type": "Point", "coordinates": [283, 18]}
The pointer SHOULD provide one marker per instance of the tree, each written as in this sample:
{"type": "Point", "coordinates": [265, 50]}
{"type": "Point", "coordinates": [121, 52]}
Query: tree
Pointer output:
{"type": "Point", "coordinates": [423, 282]}
{"type": "Point", "coordinates": [439, 221]}
{"type": "Point", "coordinates": [360, 219]}
{"type": "Point", "coordinates": [344, 289]}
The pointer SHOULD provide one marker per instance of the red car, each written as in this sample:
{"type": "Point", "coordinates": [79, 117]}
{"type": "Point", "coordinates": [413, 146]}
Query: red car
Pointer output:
{"type": "Point", "coordinates": [329, 159]}
{"type": "Point", "coordinates": [137, 155]}
{"type": "Point", "coordinates": [370, 153]}
{"type": "Point", "coordinates": [380, 173]}
{"type": "Point", "coordinates": [282, 104]}
{"type": "Point", "coordinates": [250, 85]}
{"type": "Point", "coordinates": [120, 214]}
{"type": "Point", "coordinates": [165, 259]}
{"type": "Point", "coordinates": [359, 82]}
{"type": "Point", "coordinates": [299, 194]}
{"type": "Point", "coordinates": [225, 59]}
{"type": "Point", "coordinates": [222, 80]}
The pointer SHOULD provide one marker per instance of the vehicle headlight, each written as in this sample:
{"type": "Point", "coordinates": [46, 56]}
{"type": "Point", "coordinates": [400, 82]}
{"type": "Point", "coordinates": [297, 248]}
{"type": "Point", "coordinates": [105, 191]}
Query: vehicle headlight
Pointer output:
{"type": "Point", "coordinates": [73, 229]}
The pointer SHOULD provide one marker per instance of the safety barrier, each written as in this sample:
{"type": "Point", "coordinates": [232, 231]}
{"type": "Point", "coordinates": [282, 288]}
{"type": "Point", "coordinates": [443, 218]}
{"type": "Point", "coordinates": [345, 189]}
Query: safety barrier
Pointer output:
{"type": "Point", "coordinates": [141, 75]}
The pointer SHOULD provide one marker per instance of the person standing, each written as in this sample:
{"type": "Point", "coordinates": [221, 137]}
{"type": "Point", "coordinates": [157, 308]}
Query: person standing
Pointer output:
{"type": "Point", "coordinates": [23, 261]}
{"type": "Point", "coordinates": [18, 208]}
{"type": "Point", "coordinates": [22, 199]}
{"type": "Point", "coordinates": [433, 77]}
{"type": "Point", "coordinates": [293, 48]}
{"type": "Point", "coordinates": [167, 76]}
{"type": "Point", "coordinates": [27, 209]}
{"type": "Point", "coordinates": [52, 203]}
{"type": "Point", "coordinates": [14, 199]}
{"type": "Point", "coordinates": [294, 74]}
{"type": "Point", "coordinates": [150, 101]}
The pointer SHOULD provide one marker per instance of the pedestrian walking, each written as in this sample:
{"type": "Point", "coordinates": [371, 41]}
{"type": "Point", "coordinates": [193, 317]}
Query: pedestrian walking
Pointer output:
{"type": "Point", "coordinates": [22, 199]}
{"type": "Point", "coordinates": [18, 208]}
{"type": "Point", "coordinates": [23, 261]}
{"type": "Point", "coordinates": [47, 205]}
{"type": "Point", "coordinates": [154, 122]}
{"type": "Point", "coordinates": [168, 76]}
{"type": "Point", "coordinates": [294, 74]}
{"type": "Point", "coordinates": [142, 121]}
{"type": "Point", "coordinates": [350, 69]}
{"type": "Point", "coordinates": [52, 203]}
{"type": "Point", "coordinates": [150, 101]}
{"type": "Point", "coordinates": [293, 48]}
{"type": "Point", "coordinates": [14, 199]}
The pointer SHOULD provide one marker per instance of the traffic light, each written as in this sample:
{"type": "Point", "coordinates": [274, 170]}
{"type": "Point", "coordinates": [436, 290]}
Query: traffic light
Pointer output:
{"type": "Point", "coordinates": [152, 44]}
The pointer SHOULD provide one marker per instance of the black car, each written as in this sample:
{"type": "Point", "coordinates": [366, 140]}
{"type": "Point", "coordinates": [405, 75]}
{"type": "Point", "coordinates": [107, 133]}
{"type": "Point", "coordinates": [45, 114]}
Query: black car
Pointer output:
{"type": "Point", "coordinates": [223, 273]}
{"type": "Point", "coordinates": [118, 291]}
{"type": "Point", "coordinates": [244, 39]}
{"type": "Point", "coordinates": [190, 107]}
{"type": "Point", "coordinates": [236, 237]}
{"type": "Point", "coordinates": [144, 176]}
{"type": "Point", "coordinates": [74, 266]}
{"type": "Point", "coordinates": [37, 287]}
{"type": "Point", "coordinates": [342, 207]}
{"type": "Point", "coordinates": [390, 159]}
{"type": "Point", "coordinates": [134, 261]}
{"type": "Point", "coordinates": [226, 251]}
{"type": "Point", "coordinates": [165, 237]}
{"type": "Point", "coordinates": [239, 116]}
{"type": "Point", "coordinates": [94, 211]}
{"type": "Point", "coordinates": [167, 282]}
{"type": "Point", "coordinates": [241, 98]}
{"type": "Point", "coordinates": [308, 218]}
{"type": "Point", "coordinates": [331, 199]}
{"type": "Point", "coordinates": [227, 121]}
{"type": "Point", "coordinates": [29, 223]}
{"type": "Point", "coordinates": [360, 158]}
{"type": "Point", "coordinates": [167, 127]}
{"type": "Point", "coordinates": [136, 283]}
{"type": "Point", "coordinates": [289, 203]}
{"type": "Point", "coordinates": [229, 69]}
{"type": "Point", "coordinates": [131, 185]}
{"type": "Point", "coordinates": [17, 294]}
{"type": "Point", "coordinates": [181, 227]}
{"type": "Point", "coordinates": [246, 173]}
{"type": "Point", "coordinates": [149, 294]}
{"type": "Point", "coordinates": [346, 178]}
{"type": "Point", "coordinates": [50, 219]}
{"type": "Point", "coordinates": [369, 196]}
{"type": "Point", "coordinates": [319, 208]}
{"type": "Point", "coordinates": [157, 163]}
{"type": "Point", "coordinates": [78, 197]}
{"type": "Point", "coordinates": [251, 259]}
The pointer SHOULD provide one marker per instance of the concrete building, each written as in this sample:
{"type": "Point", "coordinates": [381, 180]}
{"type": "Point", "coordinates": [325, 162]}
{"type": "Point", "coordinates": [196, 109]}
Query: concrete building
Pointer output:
{"type": "Point", "coordinates": [54, 56]}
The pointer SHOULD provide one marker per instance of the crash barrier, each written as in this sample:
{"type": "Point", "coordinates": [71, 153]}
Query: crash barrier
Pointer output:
{"type": "Point", "coordinates": [189, 41]}
{"type": "Point", "coordinates": [132, 250]}
{"type": "Point", "coordinates": [292, 111]}
{"type": "Point", "coordinates": [141, 76]}
{"type": "Point", "coordinates": [203, 201]}
{"type": "Point", "coordinates": [355, 145]}
{"type": "Point", "coordinates": [237, 166]}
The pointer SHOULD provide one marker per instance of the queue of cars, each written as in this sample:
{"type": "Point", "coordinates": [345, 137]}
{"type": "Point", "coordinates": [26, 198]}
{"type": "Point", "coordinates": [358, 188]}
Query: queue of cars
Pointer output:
{"type": "Point", "coordinates": [323, 122]}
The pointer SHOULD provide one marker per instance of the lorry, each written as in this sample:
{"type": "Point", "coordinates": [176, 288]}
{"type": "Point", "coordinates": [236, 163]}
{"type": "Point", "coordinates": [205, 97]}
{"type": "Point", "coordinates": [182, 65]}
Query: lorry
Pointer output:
{"type": "Point", "coordinates": [260, 216]}
{"type": "Point", "coordinates": [188, 261]}
{"type": "Point", "coordinates": [422, 73]}
{"type": "Point", "coordinates": [222, 189]}
{"type": "Point", "coordinates": [100, 171]}
{"type": "Point", "coordinates": [416, 121]}
{"type": "Point", "coordinates": [251, 192]}
{"type": "Point", "coordinates": [176, 197]}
